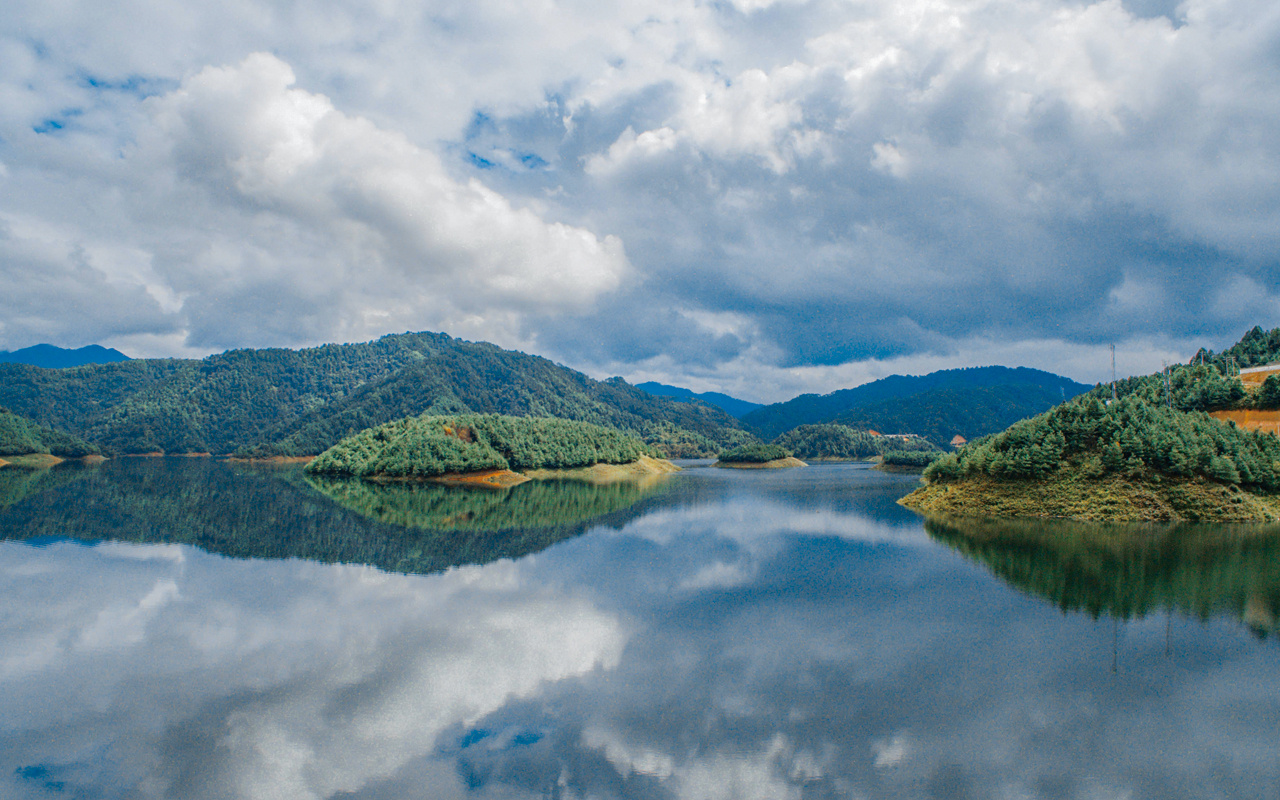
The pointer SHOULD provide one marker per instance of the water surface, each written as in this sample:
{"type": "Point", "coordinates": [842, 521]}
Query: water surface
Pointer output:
{"type": "Point", "coordinates": [186, 629]}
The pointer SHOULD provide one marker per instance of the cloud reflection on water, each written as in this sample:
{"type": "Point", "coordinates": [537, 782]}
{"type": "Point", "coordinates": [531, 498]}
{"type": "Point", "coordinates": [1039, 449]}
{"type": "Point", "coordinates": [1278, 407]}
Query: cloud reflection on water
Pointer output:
{"type": "Point", "coordinates": [726, 644]}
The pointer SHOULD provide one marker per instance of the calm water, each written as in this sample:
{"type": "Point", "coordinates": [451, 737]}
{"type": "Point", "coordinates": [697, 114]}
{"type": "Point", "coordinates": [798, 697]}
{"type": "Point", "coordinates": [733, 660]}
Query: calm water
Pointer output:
{"type": "Point", "coordinates": [185, 629]}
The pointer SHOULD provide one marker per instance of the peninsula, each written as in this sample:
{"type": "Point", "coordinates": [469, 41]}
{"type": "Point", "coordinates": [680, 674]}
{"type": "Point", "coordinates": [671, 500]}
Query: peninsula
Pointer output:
{"type": "Point", "coordinates": [1127, 461]}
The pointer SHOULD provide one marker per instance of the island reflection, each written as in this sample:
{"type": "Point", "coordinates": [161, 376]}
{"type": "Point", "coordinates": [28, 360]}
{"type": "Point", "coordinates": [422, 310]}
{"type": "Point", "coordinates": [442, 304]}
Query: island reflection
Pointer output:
{"type": "Point", "coordinates": [1131, 571]}
{"type": "Point", "coordinates": [432, 506]}
{"type": "Point", "coordinates": [256, 512]}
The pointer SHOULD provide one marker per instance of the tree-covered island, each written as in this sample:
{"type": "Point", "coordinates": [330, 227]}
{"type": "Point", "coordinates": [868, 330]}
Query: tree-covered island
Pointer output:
{"type": "Point", "coordinates": [492, 449]}
{"type": "Point", "coordinates": [758, 456]}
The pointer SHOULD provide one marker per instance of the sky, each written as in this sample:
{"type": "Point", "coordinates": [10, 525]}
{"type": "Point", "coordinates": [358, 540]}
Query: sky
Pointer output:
{"type": "Point", "coordinates": [761, 197]}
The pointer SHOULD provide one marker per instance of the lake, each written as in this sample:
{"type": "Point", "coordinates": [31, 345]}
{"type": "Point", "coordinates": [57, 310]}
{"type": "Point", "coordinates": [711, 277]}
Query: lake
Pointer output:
{"type": "Point", "coordinates": [186, 628]}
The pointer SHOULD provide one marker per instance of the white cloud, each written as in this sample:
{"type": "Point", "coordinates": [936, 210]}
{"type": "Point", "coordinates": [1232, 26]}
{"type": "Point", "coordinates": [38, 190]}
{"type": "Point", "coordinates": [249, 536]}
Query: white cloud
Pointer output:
{"type": "Point", "coordinates": [937, 171]}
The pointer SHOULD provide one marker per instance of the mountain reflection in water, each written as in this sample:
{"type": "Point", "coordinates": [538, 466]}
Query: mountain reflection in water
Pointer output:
{"type": "Point", "coordinates": [249, 511]}
{"type": "Point", "coordinates": [735, 635]}
{"type": "Point", "coordinates": [1131, 571]}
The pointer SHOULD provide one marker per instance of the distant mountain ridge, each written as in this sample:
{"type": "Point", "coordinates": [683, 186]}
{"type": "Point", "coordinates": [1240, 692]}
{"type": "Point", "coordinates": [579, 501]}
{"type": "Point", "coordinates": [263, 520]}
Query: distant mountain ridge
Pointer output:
{"type": "Point", "coordinates": [914, 404]}
{"type": "Point", "coordinates": [299, 402]}
{"type": "Point", "coordinates": [51, 356]}
{"type": "Point", "coordinates": [732, 405]}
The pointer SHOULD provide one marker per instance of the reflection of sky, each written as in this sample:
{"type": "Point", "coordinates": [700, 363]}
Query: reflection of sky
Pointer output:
{"type": "Point", "coordinates": [740, 646]}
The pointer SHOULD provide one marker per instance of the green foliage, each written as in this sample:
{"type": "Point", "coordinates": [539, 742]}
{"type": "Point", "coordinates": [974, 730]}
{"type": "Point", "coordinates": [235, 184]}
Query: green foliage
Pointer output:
{"type": "Point", "coordinates": [831, 441]}
{"type": "Point", "coordinates": [1268, 395]}
{"type": "Point", "coordinates": [755, 454]}
{"type": "Point", "coordinates": [841, 442]}
{"type": "Point", "coordinates": [1131, 436]}
{"type": "Point", "coordinates": [300, 402]}
{"type": "Point", "coordinates": [435, 445]}
{"type": "Point", "coordinates": [1255, 348]}
{"type": "Point", "coordinates": [20, 436]}
{"type": "Point", "coordinates": [911, 458]}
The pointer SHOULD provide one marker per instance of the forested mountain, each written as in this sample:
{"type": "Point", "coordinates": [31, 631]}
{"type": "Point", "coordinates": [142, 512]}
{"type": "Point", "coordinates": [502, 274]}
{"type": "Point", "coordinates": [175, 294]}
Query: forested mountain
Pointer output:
{"type": "Point", "coordinates": [300, 402]}
{"type": "Point", "coordinates": [732, 405]}
{"type": "Point", "coordinates": [1032, 390]}
{"type": "Point", "coordinates": [53, 357]}
{"type": "Point", "coordinates": [940, 414]}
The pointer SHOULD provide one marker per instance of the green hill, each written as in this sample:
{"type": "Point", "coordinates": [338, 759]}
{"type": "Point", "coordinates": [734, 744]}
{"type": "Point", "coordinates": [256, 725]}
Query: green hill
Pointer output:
{"type": "Point", "coordinates": [972, 402]}
{"type": "Point", "coordinates": [300, 402]}
{"type": "Point", "coordinates": [20, 437]}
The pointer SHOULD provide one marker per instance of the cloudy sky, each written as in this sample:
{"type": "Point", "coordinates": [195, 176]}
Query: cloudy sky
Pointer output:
{"type": "Point", "coordinates": [756, 196]}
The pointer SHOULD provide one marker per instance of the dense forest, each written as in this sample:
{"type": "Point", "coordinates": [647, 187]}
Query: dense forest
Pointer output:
{"type": "Point", "coordinates": [843, 443]}
{"type": "Point", "coordinates": [1195, 387]}
{"type": "Point", "coordinates": [913, 459]}
{"type": "Point", "coordinates": [299, 402]}
{"type": "Point", "coordinates": [20, 436]}
{"type": "Point", "coordinates": [754, 454]}
{"type": "Point", "coordinates": [430, 445]}
{"type": "Point", "coordinates": [1131, 436]}
{"type": "Point", "coordinates": [972, 402]}
{"type": "Point", "coordinates": [1256, 348]}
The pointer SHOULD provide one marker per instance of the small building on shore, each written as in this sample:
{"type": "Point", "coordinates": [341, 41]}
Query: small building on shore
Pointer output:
{"type": "Point", "coordinates": [958, 441]}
